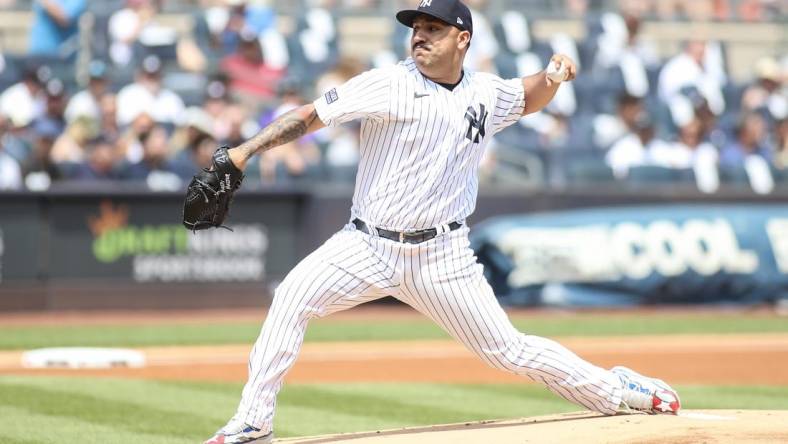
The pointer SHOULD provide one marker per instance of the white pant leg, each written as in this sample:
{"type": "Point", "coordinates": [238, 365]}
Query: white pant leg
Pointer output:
{"type": "Point", "coordinates": [342, 273]}
{"type": "Point", "coordinates": [443, 281]}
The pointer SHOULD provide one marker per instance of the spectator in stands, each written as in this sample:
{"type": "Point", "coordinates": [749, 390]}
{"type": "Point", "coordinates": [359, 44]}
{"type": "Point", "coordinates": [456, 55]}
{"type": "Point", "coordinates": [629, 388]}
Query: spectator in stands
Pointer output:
{"type": "Point", "coordinates": [10, 170]}
{"type": "Point", "coordinates": [481, 55]}
{"type": "Point", "coordinates": [749, 153]}
{"type": "Point", "coordinates": [87, 102]}
{"type": "Point", "coordinates": [697, 10]}
{"type": "Point", "coordinates": [577, 9]}
{"type": "Point", "coordinates": [766, 92]}
{"type": "Point", "coordinates": [14, 139]}
{"type": "Point", "coordinates": [690, 151]}
{"type": "Point", "coordinates": [220, 26]}
{"type": "Point", "coordinates": [758, 10]}
{"type": "Point", "coordinates": [750, 140]}
{"type": "Point", "coordinates": [781, 146]}
{"type": "Point", "coordinates": [125, 27]}
{"type": "Point", "coordinates": [251, 79]}
{"type": "Point", "coordinates": [155, 156]}
{"type": "Point", "coordinates": [129, 146]}
{"type": "Point", "coordinates": [196, 121]}
{"type": "Point", "coordinates": [295, 161]}
{"type": "Point", "coordinates": [699, 107]}
{"type": "Point", "coordinates": [607, 129]}
{"type": "Point", "coordinates": [147, 94]}
{"type": "Point", "coordinates": [24, 101]}
{"type": "Point", "coordinates": [642, 48]}
{"type": "Point", "coordinates": [194, 143]}
{"type": "Point", "coordinates": [706, 10]}
{"type": "Point", "coordinates": [99, 163]}
{"type": "Point", "coordinates": [108, 119]}
{"type": "Point", "coordinates": [38, 169]}
{"type": "Point", "coordinates": [620, 43]}
{"type": "Point", "coordinates": [215, 103]}
{"type": "Point", "coordinates": [694, 67]}
{"type": "Point", "coordinates": [69, 147]}
{"type": "Point", "coordinates": [196, 156]}
{"type": "Point", "coordinates": [635, 147]}
{"type": "Point", "coordinates": [239, 126]}
{"type": "Point", "coordinates": [55, 104]}
{"type": "Point", "coordinates": [55, 27]}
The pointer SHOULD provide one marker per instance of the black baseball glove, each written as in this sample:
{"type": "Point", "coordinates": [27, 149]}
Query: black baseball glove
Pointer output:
{"type": "Point", "coordinates": [210, 193]}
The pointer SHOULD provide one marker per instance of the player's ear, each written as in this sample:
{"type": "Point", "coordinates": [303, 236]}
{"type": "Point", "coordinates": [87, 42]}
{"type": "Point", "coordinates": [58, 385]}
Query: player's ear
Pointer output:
{"type": "Point", "coordinates": [464, 39]}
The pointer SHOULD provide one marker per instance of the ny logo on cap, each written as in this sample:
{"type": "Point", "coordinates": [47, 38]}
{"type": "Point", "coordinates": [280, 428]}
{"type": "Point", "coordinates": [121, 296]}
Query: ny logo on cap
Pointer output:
{"type": "Point", "coordinates": [425, 3]}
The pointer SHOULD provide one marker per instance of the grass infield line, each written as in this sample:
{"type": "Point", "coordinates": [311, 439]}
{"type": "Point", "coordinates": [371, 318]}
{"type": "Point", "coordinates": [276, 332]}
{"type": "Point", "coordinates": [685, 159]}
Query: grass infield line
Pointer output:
{"type": "Point", "coordinates": [17, 337]}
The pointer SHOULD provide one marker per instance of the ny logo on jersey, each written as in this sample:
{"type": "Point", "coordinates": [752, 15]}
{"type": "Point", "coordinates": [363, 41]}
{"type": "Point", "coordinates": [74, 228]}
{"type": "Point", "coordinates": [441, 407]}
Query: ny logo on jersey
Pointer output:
{"type": "Point", "coordinates": [425, 3]}
{"type": "Point", "coordinates": [477, 121]}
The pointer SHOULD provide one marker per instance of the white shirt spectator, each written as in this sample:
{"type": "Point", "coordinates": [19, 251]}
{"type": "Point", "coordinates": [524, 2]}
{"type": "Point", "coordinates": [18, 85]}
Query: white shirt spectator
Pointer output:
{"type": "Point", "coordinates": [679, 155]}
{"type": "Point", "coordinates": [20, 105]}
{"type": "Point", "coordinates": [124, 27]}
{"type": "Point", "coordinates": [703, 160]}
{"type": "Point", "coordinates": [483, 47]}
{"type": "Point", "coordinates": [683, 71]}
{"type": "Point", "coordinates": [134, 99]}
{"type": "Point", "coordinates": [10, 173]}
{"type": "Point", "coordinates": [82, 104]}
{"type": "Point", "coordinates": [630, 152]}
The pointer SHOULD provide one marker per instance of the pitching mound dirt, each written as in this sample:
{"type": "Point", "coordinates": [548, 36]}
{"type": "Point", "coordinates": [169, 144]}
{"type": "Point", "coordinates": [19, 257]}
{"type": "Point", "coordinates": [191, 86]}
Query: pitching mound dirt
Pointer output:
{"type": "Point", "coordinates": [692, 426]}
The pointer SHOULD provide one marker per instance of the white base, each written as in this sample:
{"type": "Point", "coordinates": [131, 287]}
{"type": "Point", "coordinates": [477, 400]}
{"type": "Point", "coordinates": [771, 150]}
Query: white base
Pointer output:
{"type": "Point", "coordinates": [82, 357]}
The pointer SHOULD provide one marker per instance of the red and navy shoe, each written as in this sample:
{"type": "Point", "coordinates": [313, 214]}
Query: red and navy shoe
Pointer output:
{"type": "Point", "coordinates": [238, 432]}
{"type": "Point", "coordinates": [647, 395]}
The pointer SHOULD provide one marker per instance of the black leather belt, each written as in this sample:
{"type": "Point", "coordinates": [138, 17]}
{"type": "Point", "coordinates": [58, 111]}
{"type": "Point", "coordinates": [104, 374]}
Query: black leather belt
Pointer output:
{"type": "Point", "coordinates": [407, 237]}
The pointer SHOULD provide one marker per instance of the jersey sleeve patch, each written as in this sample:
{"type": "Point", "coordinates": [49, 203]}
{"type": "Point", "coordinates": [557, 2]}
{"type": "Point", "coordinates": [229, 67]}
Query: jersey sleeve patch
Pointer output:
{"type": "Point", "coordinates": [332, 96]}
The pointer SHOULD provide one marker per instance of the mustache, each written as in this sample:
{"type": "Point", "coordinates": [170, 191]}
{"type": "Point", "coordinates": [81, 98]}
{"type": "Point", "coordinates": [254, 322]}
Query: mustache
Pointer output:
{"type": "Point", "coordinates": [422, 44]}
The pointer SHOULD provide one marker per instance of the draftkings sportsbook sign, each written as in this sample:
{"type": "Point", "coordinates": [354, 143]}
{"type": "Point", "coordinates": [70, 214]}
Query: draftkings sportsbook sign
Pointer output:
{"type": "Point", "coordinates": [615, 256]}
{"type": "Point", "coordinates": [125, 241]}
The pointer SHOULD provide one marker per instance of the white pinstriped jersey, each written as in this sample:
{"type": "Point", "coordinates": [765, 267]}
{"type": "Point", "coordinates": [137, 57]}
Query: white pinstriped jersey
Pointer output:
{"type": "Point", "coordinates": [421, 143]}
{"type": "Point", "coordinates": [420, 149]}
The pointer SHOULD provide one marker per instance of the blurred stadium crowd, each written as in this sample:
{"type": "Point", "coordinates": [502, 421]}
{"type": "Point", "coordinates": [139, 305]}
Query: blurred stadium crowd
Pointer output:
{"type": "Point", "coordinates": [108, 92]}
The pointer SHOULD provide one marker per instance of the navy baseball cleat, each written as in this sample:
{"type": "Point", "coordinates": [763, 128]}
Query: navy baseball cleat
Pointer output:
{"type": "Point", "coordinates": [647, 395]}
{"type": "Point", "coordinates": [238, 432]}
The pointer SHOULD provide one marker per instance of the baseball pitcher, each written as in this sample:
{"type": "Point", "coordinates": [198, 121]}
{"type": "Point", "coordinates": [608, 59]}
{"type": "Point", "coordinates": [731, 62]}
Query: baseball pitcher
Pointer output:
{"type": "Point", "coordinates": [424, 126]}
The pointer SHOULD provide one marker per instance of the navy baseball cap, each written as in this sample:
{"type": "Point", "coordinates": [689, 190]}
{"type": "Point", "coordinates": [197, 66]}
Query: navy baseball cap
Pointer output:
{"type": "Point", "coordinates": [453, 12]}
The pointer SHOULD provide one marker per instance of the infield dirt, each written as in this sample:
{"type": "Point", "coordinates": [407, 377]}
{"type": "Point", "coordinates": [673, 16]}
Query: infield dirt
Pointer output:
{"type": "Point", "coordinates": [681, 359]}
{"type": "Point", "coordinates": [710, 426]}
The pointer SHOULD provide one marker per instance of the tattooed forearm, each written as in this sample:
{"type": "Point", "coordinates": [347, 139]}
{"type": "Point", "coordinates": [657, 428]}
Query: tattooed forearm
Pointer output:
{"type": "Point", "coordinates": [286, 128]}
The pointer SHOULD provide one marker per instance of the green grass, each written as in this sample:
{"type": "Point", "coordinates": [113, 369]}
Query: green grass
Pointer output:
{"type": "Point", "coordinates": [26, 337]}
{"type": "Point", "coordinates": [38, 410]}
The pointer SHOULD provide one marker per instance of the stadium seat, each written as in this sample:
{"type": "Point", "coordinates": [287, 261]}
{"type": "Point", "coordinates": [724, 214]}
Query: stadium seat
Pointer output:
{"type": "Point", "coordinates": [341, 174]}
{"type": "Point", "coordinates": [516, 24]}
{"type": "Point", "coordinates": [608, 85]}
{"type": "Point", "coordinates": [166, 52]}
{"type": "Point", "coordinates": [57, 68]}
{"type": "Point", "coordinates": [588, 170]}
{"type": "Point", "coordinates": [399, 41]}
{"type": "Point", "coordinates": [646, 175]}
{"type": "Point", "coordinates": [734, 177]}
{"type": "Point", "coordinates": [517, 167]}
{"type": "Point", "coordinates": [189, 86]}
{"type": "Point", "coordinates": [9, 71]}
{"type": "Point", "coordinates": [780, 179]}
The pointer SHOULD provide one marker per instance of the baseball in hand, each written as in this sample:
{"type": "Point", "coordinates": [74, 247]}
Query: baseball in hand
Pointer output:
{"type": "Point", "coordinates": [556, 74]}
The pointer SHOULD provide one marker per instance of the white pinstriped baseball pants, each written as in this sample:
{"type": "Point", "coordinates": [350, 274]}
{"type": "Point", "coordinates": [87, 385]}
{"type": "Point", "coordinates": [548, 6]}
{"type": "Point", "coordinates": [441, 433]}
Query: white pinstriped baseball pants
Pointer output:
{"type": "Point", "coordinates": [441, 279]}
